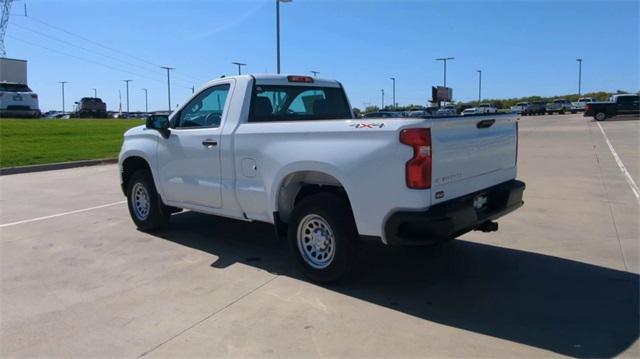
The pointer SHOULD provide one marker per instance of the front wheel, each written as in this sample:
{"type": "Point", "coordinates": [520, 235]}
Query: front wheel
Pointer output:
{"type": "Point", "coordinates": [322, 235]}
{"type": "Point", "coordinates": [600, 116]}
{"type": "Point", "coordinates": [145, 206]}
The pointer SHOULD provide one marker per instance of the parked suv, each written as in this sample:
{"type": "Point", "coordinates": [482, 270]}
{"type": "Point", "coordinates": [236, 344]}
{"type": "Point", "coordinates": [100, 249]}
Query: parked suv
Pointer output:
{"type": "Point", "coordinates": [535, 108]}
{"type": "Point", "coordinates": [17, 100]}
{"type": "Point", "coordinates": [92, 107]}
{"type": "Point", "coordinates": [558, 106]}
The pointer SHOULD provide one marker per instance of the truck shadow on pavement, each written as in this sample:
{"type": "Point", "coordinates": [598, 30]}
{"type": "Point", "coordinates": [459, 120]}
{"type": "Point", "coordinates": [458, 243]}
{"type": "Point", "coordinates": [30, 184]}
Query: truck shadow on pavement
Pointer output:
{"type": "Point", "coordinates": [555, 304]}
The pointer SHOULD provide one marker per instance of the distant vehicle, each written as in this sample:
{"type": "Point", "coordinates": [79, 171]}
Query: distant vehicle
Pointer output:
{"type": "Point", "coordinates": [519, 107]}
{"type": "Point", "coordinates": [486, 108]}
{"type": "Point", "coordinates": [429, 111]}
{"type": "Point", "coordinates": [580, 104]}
{"type": "Point", "coordinates": [558, 106]}
{"type": "Point", "coordinates": [382, 114]}
{"type": "Point", "coordinates": [470, 111]}
{"type": "Point", "coordinates": [616, 106]}
{"type": "Point", "coordinates": [535, 108]}
{"type": "Point", "coordinates": [92, 107]}
{"type": "Point", "coordinates": [17, 100]}
{"type": "Point", "coordinates": [447, 110]}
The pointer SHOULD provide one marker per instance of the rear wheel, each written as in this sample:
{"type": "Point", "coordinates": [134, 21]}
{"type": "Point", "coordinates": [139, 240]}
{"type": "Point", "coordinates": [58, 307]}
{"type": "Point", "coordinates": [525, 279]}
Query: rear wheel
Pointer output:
{"type": "Point", "coordinates": [600, 116]}
{"type": "Point", "coordinates": [322, 235]}
{"type": "Point", "coordinates": [145, 206]}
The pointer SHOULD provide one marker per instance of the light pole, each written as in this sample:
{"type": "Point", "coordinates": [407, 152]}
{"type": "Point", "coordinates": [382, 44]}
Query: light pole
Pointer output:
{"type": "Point", "coordinates": [239, 64]}
{"type": "Point", "coordinates": [95, 92]}
{"type": "Point", "coordinates": [146, 100]}
{"type": "Point", "coordinates": [579, 76]}
{"type": "Point", "coordinates": [63, 83]}
{"type": "Point", "coordinates": [394, 92]}
{"type": "Point", "coordinates": [315, 73]}
{"type": "Point", "coordinates": [479, 86]}
{"type": "Point", "coordinates": [382, 91]}
{"type": "Point", "coordinates": [168, 83]}
{"type": "Point", "coordinates": [193, 89]}
{"type": "Point", "coordinates": [444, 60]}
{"type": "Point", "coordinates": [127, 82]}
{"type": "Point", "coordinates": [278, 34]}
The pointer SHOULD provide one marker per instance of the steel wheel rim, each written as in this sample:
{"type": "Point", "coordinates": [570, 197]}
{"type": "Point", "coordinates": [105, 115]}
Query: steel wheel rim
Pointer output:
{"type": "Point", "coordinates": [316, 241]}
{"type": "Point", "coordinates": [140, 201]}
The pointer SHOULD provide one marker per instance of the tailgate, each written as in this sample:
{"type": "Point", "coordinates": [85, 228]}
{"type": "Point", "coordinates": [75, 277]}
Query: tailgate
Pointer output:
{"type": "Point", "coordinates": [471, 153]}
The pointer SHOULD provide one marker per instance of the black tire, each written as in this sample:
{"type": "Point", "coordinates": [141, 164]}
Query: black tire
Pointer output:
{"type": "Point", "coordinates": [157, 214]}
{"type": "Point", "coordinates": [336, 213]}
{"type": "Point", "coordinates": [600, 116]}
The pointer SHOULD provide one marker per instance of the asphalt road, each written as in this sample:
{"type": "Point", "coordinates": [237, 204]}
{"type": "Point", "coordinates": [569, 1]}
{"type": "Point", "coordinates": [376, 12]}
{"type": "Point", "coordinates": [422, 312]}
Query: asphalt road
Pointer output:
{"type": "Point", "coordinates": [559, 278]}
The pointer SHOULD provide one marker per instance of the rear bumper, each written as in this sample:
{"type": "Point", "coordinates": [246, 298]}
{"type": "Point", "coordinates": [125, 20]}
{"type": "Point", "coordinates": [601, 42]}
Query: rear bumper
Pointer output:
{"type": "Point", "coordinates": [453, 218]}
{"type": "Point", "coordinates": [19, 113]}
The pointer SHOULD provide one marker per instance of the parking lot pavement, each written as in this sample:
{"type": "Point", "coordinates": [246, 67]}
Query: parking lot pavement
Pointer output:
{"type": "Point", "coordinates": [559, 278]}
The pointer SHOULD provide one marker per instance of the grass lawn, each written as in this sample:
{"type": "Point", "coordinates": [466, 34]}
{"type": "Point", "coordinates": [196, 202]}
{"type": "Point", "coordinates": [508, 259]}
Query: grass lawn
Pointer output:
{"type": "Point", "coordinates": [36, 141]}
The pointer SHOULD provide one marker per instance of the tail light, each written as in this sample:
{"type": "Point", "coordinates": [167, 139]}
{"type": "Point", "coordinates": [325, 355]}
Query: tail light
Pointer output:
{"type": "Point", "coordinates": [34, 96]}
{"type": "Point", "coordinates": [588, 106]}
{"type": "Point", "coordinates": [418, 168]}
{"type": "Point", "coordinates": [303, 79]}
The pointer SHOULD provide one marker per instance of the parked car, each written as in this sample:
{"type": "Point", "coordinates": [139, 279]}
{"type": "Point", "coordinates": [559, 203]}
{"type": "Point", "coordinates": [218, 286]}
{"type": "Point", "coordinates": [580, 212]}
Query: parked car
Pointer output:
{"type": "Point", "coordinates": [519, 107]}
{"type": "Point", "coordinates": [470, 111]}
{"type": "Point", "coordinates": [382, 114]}
{"type": "Point", "coordinates": [487, 108]}
{"type": "Point", "coordinates": [580, 104]}
{"type": "Point", "coordinates": [18, 100]}
{"type": "Point", "coordinates": [92, 107]}
{"type": "Point", "coordinates": [559, 106]}
{"type": "Point", "coordinates": [323, 177]}
{"type": "Point", "coordinates": [447, 110]}
{"type": "Point", "coordinates": [617, 105]}
{"type": "Point", "coordinates": [535, 108]}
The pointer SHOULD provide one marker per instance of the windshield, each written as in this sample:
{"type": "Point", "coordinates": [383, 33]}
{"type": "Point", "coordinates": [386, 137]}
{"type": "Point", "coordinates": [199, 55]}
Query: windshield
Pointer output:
{"type": "Point", "coordinates": [14, 88]}
{"type": "Point", "coordinates": [298, 103]}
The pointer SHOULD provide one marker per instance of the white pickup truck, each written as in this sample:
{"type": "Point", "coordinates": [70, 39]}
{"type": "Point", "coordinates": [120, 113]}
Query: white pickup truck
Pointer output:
{"type": "Point", "coordinates": [288, 150]}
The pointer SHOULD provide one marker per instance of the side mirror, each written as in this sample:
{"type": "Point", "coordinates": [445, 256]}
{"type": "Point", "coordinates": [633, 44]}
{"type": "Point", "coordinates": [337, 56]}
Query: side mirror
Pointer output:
{"type": "Point", "coordinates": [159, 123]}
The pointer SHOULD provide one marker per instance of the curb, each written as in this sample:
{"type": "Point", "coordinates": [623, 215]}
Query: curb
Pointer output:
{"type": "Point", "coordinates": [55, 166]}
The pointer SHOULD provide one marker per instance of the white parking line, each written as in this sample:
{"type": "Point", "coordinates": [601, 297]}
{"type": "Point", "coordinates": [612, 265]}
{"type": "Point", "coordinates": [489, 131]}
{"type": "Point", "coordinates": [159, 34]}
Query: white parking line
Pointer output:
{"type": "Point", "coordinates": [60, 214]}
{"type": "Point", "coordinates": [627, 176]}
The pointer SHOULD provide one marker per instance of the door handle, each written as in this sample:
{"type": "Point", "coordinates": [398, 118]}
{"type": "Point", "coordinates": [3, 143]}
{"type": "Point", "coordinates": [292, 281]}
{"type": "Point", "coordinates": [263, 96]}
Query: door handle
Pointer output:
{"type": "Point", "coordinates": [485, 123]}
{"type": "Point", "coordinates": [209, 143]}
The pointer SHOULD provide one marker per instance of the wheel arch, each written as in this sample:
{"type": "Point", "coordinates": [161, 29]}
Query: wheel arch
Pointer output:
{"type": "Point", "coordinates": [299, 184]}
{"type": "Point", "coordinates": [129, 166]}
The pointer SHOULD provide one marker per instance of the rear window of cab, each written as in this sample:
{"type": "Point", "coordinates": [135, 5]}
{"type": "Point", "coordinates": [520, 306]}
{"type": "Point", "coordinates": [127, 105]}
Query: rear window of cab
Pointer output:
{"type": "Point", "coordinates": [274, 103]}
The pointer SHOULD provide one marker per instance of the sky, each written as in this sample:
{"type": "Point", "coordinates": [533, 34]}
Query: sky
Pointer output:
{"type": "Point", "coordinates": [522, 47]}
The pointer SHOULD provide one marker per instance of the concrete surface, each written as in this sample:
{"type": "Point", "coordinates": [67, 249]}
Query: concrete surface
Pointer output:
{"type": "Point", "coordinates": [560, 278]}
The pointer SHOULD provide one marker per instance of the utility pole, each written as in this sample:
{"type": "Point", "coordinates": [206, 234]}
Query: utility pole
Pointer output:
{"type": "Point", "coordinates": [63, 83]}
{"type": "Point", "coordinates": [127, 82]}
{"type": "Point", "coordinates": [239, 64]}
{"type": "Point", "coordinates": [168, 83]}
{"type": "Point", "coordinates": [444, 60]}
{"type": "Point", "coordinates": [579, 76]}
{"type": "Point", "coordinates": [278, 34]}
{"type": "Point", "coordinates": [382, 91]}
{"type": "Point", "coordinates": [315, 73]}
{"type": "Point", "coordinates": [394, 92]}
{"type": "Point", "coordinates": [479, 86]}
{"type": "Point", "coordinates": [146, 100]}
{"type": "Point", "coordinates": [193, 89]}
{"type": "Point", "coordinates": [95, 92]}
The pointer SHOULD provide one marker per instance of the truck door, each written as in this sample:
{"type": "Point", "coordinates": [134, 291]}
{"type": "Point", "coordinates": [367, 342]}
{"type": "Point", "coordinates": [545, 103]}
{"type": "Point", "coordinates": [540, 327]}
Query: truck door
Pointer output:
{"type": "Point", "coordinates": [189, 160]}
{"type": "Point", "coordinates": [628, 105]}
